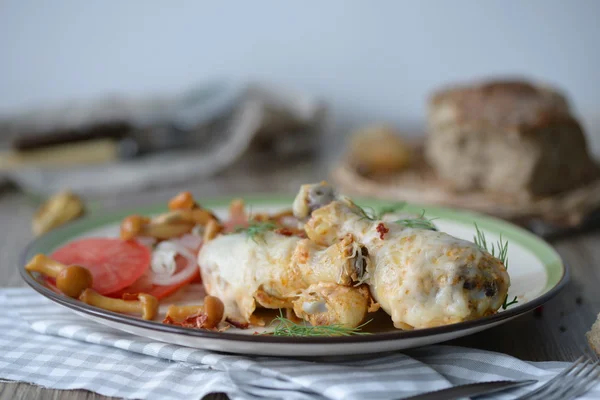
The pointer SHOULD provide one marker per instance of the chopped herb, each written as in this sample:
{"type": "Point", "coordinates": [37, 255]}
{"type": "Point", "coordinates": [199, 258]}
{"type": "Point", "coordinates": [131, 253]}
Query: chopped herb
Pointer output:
{"type": "Point", "coordinates": [389, 209]}
{"type": "Point", "coordinates": [419, 222]}
{"type": "Point", "coordinates": [505, 305]}
{"type": "Point", "coordinates": [363, 212]}
{"type": "Point", "coordinates": [375, 214]}
{"type": "Point", "coordinates": [502, 248]}
{"type": "Point", "coordinates": [286, 327]}
{"type": "Point", "coordinates": [256, 229]}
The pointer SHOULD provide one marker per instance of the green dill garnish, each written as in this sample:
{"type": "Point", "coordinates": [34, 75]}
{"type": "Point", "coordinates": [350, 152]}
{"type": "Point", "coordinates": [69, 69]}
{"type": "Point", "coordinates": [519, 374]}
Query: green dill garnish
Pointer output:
{"type": "Point", "coordinates": [502, 248]}
{"type": "Point", "coordinates": [389, 209]}
{"type": "Point", "coordinates": [505, 304]}
{"type": "Point", "coordinates": [419, 222]}
{"type": "Point", "coordinates": [363, 212]}
{"type": "Point", "coordinates": [375, 214]}
{"type": "Point", "coordinates": [256, 229]}
{"type": "Point", "coordinates": [286, 327]}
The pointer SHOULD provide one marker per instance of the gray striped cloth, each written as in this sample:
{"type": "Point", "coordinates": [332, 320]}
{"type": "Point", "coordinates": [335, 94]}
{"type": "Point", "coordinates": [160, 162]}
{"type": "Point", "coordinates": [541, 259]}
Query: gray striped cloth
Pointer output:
{"type": "Point", "coordinates": [44, 344]}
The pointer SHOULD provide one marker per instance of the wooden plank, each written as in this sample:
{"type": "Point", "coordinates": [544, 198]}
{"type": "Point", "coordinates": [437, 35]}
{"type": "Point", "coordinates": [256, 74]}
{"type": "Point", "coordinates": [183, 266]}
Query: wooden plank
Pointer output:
{"type": "Point", "coordinates": [25, 391]}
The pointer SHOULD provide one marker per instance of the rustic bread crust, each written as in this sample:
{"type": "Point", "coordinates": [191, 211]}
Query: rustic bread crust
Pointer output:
{"type": "Point", "coordinates": [507, 137]}
{"type": "Point", "coordinates": [514, 105]}
{"type": "Point", "coordinates": [593, 336]}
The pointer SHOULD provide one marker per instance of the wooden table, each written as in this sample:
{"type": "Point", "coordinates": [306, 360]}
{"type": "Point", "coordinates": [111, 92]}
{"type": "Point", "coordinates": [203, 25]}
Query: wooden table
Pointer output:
{"type": "Point", "coordinates": [555, 334]}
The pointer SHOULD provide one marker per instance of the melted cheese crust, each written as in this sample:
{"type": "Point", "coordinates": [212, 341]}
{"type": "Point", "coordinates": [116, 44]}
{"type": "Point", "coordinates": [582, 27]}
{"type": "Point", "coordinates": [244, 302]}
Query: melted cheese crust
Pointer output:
{"type": "Point", "coordinates": [427, 278]}
{"type": "Point", "coordinates": [421, 278]}
{"type": "Point", "coordinates": [235, 269]}
{"type": "Point", "coordinates": [278, 271]}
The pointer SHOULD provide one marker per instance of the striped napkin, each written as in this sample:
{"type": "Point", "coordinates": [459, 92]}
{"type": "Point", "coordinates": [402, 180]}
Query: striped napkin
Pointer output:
{"type": "Point", "coordinates": [44, 344]}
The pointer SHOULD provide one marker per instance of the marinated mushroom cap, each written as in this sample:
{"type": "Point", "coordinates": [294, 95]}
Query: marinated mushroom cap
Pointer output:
{"type": "Point", "coordinates": [311, 197]}
{"type": "Point", "coordinates": [56, 211]}
{"type": "Point", "coordinates": [149, 306]}
{"type": "Point", "coordinates": [73, 280]}
{"type": "Point", "coordinates": [132, 226]}
{"type": "Point", "coordinates": [182, 201]}
{"type": "Point", "coordinates": [214, 310]}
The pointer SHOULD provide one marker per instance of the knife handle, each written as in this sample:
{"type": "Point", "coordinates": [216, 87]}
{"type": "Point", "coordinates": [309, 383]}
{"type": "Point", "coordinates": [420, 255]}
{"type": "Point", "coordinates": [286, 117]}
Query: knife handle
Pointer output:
{"type": "Point", "coordinates": [65, 155]}
{"type": "Point", "coordinates": [109, 130]}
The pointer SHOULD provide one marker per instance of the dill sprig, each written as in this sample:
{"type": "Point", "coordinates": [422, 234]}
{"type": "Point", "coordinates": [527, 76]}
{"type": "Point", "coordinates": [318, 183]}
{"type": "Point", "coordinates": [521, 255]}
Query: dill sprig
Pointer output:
{"type": "Point", "coordinates": [389, 209]}
{"type": "Point", "coordinates": [286, 327]}
{"type": "Point", "coordinates": [256, 229]}
{"type": "Point", "coordinates": [419, 222]}
{"type": "Point", "coordinates": [505, 304]}
{"type": "Point", "coordinates": [375, 214]}
{"type": "Point", "coordinates": [502, 248]}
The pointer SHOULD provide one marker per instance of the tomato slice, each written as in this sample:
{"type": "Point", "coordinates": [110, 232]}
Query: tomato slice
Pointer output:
{"type": "Point", "coordinates": [114, 263]}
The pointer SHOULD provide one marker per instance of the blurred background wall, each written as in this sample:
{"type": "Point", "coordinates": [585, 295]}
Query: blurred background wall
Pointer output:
{"type": "Point", "coordinates": [373, 60]}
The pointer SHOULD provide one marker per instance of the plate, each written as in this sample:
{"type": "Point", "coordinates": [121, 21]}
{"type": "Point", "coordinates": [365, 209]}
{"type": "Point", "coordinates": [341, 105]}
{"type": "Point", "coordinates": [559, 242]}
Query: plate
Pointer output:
{"type": "Point", "coordinates": [536, 270]}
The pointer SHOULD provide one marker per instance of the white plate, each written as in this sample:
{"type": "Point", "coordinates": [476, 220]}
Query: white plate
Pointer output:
{"type": "Point", "coordinates": [536, 270]}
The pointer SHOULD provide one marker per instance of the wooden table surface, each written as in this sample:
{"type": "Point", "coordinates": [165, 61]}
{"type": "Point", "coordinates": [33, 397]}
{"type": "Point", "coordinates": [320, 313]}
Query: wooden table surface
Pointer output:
{"type": "Point", "coordinates": [556, 334]}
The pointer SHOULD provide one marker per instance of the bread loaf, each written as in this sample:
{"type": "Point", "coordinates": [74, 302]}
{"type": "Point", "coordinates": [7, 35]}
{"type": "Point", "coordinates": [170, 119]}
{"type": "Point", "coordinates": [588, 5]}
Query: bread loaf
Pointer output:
{"type": "Point", "coordinates": [593, 336]}
{"type": "Point", "coordinates": [507, 137]}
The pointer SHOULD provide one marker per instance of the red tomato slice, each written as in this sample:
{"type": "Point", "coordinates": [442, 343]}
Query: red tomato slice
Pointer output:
{"type": "Point", "coordinates": [114, 263]}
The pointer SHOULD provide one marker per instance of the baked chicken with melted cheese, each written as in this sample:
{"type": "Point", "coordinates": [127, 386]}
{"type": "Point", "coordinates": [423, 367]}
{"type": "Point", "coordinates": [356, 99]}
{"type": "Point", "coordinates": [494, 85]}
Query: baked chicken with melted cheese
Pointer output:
{"type": "Point", "coordinates": [349, 265]}
{"type": "Point", "coordinates": [279, 271]}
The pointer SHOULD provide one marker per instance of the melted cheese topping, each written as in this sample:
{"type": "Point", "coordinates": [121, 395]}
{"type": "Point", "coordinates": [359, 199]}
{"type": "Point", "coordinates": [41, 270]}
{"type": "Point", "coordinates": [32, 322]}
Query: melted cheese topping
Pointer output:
{"type": "Point", "coordinates": [426, 278]}
{"type": "Point", "coordinates": [421, 278]}
{"type": "Point", "coordinates": [276, 270]}
{"type": "Point", "coordinates": [234, 268]}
